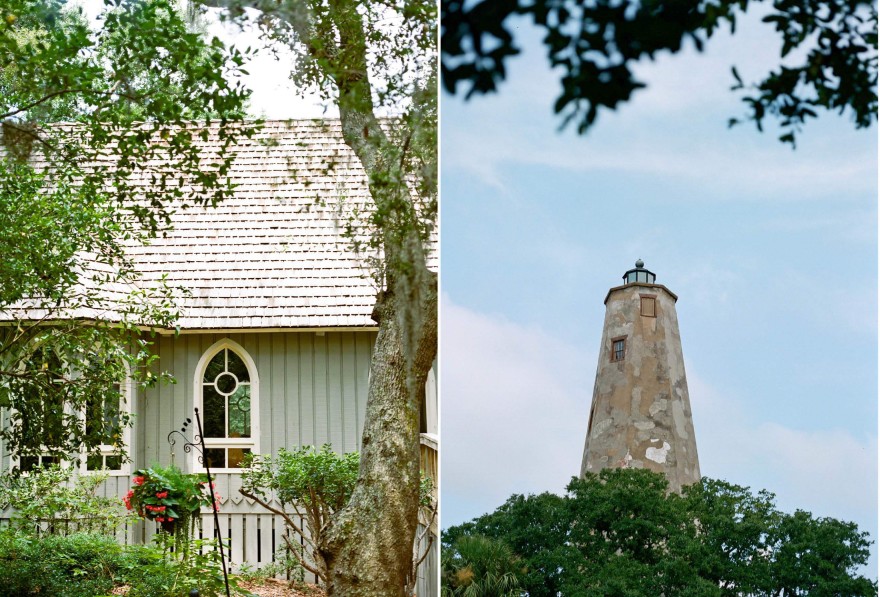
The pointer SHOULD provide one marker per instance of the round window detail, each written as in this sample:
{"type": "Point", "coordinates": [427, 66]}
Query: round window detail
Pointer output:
{"type": "Point", "coordinates": [226, 383]}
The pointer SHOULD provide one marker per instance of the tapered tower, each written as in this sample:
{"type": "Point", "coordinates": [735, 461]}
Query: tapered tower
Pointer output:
{"type": "Point", "coordinates": [641, 412]}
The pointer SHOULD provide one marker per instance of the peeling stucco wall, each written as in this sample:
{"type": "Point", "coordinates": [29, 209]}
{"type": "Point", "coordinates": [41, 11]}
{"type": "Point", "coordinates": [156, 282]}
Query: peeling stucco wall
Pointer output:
{"type": "Point", "coordinates": [641, 412]}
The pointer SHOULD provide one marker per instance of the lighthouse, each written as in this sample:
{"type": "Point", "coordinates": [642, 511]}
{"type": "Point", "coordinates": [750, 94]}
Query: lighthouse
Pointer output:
{"type": "Point", "coordinates": [641, 412]}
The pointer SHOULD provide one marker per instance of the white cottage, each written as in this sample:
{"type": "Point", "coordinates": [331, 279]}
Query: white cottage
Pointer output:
{"type": "Point", "coordinates": [275, 336]}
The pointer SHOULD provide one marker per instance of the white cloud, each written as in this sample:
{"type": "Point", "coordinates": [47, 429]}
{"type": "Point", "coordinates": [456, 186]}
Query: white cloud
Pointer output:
{"type": "Point", "coordinates": [514, 410]}
{"type": "Point", "coordinates": [827, 471]}
{"type": "Point", "coordinates": [747, 167]}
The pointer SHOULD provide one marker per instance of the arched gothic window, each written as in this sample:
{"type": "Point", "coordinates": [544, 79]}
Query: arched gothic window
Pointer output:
{"type": "Point", "coordinates": [227, 399]}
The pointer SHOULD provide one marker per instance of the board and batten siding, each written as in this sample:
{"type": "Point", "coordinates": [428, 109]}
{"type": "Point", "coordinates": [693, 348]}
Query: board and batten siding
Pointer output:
{"type": "Point", "coordinates": [312, 391]}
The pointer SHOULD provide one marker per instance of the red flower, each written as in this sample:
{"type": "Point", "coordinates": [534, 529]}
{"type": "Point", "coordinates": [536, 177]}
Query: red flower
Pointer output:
{"type": "Point", "coordinates": [138, 480]}
{"type": "Point", "coordinates": [162, 495]}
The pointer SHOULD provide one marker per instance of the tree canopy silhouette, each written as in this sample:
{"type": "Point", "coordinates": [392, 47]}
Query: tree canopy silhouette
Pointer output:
{"type": "Point", "coordinates": [620, 532]}
{"type": "Point", "coordinates": [829, 47]}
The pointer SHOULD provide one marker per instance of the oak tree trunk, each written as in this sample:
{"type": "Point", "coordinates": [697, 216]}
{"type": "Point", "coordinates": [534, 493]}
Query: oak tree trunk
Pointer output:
{"type": "Point", "coordinates": [368, 546]}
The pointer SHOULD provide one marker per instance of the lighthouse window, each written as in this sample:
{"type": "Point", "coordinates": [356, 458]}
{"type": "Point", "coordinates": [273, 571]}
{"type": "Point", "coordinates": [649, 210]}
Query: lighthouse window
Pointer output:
{"type": "Point", "coordinates": [618, 349]}
{"type": "Point", "coordinates": [649, 306]}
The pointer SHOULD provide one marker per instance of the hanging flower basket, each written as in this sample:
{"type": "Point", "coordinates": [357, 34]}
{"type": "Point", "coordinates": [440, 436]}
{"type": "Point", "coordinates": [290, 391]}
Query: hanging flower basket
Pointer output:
{"type": "Point", "coordinates": [170, 525]}
{"type": "Point", "coordinates": [168, 496]}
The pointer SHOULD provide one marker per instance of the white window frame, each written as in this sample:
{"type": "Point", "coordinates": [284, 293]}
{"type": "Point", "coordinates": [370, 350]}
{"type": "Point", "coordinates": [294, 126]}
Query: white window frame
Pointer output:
{"type": "Point", "coordinates": [431, 390]}
{"type": "Point", "coordinates": [79, 461]}
{"type": "Point", "coordinates": [126, 389]}
{"type": "Point", "coordinates": [252, 442]}
{"type": "Point", "coordinates": [15, 462]}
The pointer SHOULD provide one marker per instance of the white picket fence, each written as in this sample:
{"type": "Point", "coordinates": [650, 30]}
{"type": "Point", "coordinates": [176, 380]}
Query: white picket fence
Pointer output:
{"type": "Point", "coordinates": [253, 535]}
{"type": "Point", "coordinates": [251, 539]}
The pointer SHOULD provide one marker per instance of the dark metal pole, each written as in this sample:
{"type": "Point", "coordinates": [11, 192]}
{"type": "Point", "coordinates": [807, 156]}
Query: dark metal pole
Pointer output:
{"type": "Point", "coordinates": [213, 502]}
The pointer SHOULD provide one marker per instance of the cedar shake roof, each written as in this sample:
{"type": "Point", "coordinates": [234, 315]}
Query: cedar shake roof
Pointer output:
{"type": "Point", "coordinates": [274, 255]}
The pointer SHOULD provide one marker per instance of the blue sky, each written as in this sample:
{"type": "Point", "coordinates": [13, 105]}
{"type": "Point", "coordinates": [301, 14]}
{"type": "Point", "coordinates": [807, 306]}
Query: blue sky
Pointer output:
{"type": "Point", "coordinates": [772, 252]}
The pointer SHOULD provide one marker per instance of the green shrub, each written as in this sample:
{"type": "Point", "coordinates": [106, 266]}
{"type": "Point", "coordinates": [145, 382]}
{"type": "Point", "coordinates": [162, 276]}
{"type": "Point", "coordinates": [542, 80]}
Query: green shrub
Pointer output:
{"type": "Point", "coordinates": [52, 501]}
{"type": "Point", "coordinates": [84, 565]}
{"type": "Point", "coordinates": [307, 476]}
{"type": "Point", "coordinates": [77, 565]}
{"type": "Point", "coordinates": [313, 483]}
{"type": "Point", "coordinates": [149, 571]}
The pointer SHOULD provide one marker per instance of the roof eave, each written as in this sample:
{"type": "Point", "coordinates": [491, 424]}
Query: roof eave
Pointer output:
{"type": "Point", "coordinates": [642, 285]}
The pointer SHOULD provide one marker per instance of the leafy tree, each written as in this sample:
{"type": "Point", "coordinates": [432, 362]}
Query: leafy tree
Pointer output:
{"type": "Point", "coordinates": [73, 195]}
{"type": "Point", "coordinates": [314, 483]}
{"type": "Point", "coordinates": [733, 526]}
{"type": "Point", "coordinates": [477, 566]}
{"type": "Point", "coordinates": [831, 43]}
{"type": "Point", "coordinates": [533, 527]}
{"type": "Point", "coordinates": [637, 535]}
{"type": "Point", "coordinates": [621, 533]}
{"type": "Point", "coordinates": [370, 57]}
{"type": "Point", "coordinates": [817, 556]}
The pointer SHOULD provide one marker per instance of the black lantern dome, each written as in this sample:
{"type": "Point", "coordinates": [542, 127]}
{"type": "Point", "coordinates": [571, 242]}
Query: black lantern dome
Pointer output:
{"type": "Point", "coordinates": [639, 274]}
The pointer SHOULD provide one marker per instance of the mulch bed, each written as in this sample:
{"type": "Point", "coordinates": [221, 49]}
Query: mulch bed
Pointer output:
{"type": "Point", "coordinates": [272, 587]}
{"type": "Point", "coordinates": [269, 587]}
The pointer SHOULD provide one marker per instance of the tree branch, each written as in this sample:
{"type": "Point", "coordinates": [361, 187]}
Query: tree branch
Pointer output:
{"type": "Point", "coordinates": [61, 92]}
{"type": "Point", "coordinates": [302, 561]}
{"type": "Point", "coordinates": [280, 513]}
{"type": "Point", "coordinates": [424, 555]}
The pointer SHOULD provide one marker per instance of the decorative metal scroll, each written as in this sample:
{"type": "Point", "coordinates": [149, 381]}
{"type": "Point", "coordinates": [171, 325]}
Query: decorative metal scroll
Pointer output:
{"type": "Point", "coordinates": [199, 445]}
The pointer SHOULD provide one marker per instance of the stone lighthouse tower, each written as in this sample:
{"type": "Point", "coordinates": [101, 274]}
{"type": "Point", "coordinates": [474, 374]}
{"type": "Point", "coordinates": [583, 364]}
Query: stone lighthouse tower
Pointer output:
{"type": "Point", "coordinates": [641, 412]}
